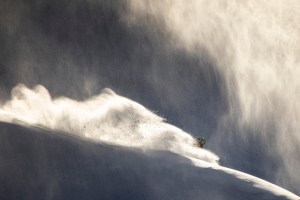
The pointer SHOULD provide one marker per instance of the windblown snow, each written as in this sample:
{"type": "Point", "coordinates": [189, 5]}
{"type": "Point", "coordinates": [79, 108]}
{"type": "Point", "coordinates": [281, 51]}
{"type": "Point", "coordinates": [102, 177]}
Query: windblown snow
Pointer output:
{"type": "Point", "coordinates": [107, 117]}
{"type": "Point", "coordinates": [114, 119]}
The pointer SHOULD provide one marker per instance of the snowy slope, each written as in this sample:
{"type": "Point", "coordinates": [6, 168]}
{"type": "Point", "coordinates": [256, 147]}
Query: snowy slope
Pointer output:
{"type": "Point", "coordinates": [39, 164]}
{"type": "Point", "coordinates": [225, 70]}
{"type": "Point", "coordinates": [117, 150]}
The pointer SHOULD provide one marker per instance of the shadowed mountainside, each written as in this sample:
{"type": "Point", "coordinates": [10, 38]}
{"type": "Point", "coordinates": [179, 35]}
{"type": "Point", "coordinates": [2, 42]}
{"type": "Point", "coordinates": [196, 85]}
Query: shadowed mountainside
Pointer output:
{"type": "Point", "coordinates": [39, 164]}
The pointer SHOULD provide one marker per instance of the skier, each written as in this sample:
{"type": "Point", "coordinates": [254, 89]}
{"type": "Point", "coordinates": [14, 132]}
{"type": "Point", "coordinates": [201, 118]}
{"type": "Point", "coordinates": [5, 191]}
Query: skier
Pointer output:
{"type": "Point", "coordinates": [200, 142]}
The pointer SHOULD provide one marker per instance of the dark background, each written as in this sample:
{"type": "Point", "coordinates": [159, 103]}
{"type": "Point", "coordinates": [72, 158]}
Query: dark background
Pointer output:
{"type": "Point", "coordinates": [77, 48]}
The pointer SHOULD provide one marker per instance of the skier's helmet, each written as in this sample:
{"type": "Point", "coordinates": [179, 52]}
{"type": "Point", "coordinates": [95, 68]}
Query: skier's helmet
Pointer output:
{"type": "Point", "coordinates": [202, 141]}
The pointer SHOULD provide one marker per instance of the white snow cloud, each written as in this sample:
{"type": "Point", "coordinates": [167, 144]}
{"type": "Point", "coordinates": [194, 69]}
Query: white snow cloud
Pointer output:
{"type": "Point", "coordinates": [255, 45]}
{"type": "Point", "coordinates": [107, 117]}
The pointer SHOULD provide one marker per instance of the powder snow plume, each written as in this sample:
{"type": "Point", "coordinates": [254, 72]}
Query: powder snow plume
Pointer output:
{"type": "Point", "coordinates": [107, 117]}
{"type": "Point", "coordinates": [255, 45]}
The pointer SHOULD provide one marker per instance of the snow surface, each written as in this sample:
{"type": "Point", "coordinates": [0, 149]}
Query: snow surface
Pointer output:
{"type": "Point", "coordinates": [161, 150]}
{"type": "Point", "coordinates": [41, 164]}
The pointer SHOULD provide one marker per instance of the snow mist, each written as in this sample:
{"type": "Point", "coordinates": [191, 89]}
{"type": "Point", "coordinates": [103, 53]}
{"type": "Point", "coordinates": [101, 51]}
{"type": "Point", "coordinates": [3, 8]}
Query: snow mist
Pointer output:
{"type": "Point", "coordinates": [256, 45]}
{"type": "Point", "coordinates": [107, 117]}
